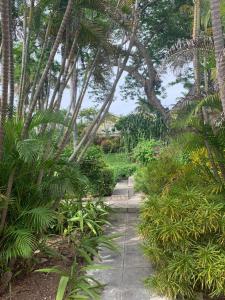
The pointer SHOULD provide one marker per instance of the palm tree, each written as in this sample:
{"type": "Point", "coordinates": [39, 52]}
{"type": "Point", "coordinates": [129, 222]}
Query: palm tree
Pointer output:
{"type": "Point", "coordinates": [54, 49]}
{"type": "Point", "coordinates": [219, 46]}
{"type": "Point", "coordinates": [5, 24]}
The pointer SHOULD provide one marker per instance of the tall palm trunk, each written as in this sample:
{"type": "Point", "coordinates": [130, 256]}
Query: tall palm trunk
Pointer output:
{"type": "Point", "coordinates": [219, 45]}
{"type": "Point", "coordinates": [11, 66]}
{"type": "Point", "coordinates": [196, 32]}
{"type": "Point", "coordinates": [5, 24]}
{"type": "Point", "coordinates": [58, 39]}
{"type": "Point", "coordinates": [25, 56]}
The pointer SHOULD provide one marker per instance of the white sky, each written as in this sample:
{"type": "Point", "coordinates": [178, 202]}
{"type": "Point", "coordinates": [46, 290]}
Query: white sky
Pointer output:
{"type": "Point", "coordinates": [120, 107]}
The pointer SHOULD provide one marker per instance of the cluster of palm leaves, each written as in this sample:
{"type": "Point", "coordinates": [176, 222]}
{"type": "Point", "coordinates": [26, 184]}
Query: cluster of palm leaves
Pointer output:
{"type": "Point", "coordinates": [47, 47]}
{"type": "Point", "coordinates": [31, 206]}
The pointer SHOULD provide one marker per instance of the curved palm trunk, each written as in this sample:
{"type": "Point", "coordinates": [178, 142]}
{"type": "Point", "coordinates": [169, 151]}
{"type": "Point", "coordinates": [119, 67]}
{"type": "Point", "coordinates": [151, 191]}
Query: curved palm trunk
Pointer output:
{"type": "Point", "coordinates": [5, 24]}
{"type": "Point", "coordinates": [219, 45]}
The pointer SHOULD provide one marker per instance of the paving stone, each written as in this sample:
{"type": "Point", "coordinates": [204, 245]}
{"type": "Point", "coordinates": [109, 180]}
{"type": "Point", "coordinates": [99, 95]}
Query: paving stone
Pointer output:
{"type": "Point", "coordinates": [132, 218]}
{"type": "Point", "coordinates": [135, 294]}
{"type": "Point", "coordinates": [135, 276]}
{"type": "Point", "coordinates": [134, 260]}
{"type": "Point", "coordinates": [112, 259]}
{"type": "Point", "coordinates": [132, 245]}
{"type": "Point", "coordinates": [129, 267]}
{"type": "Point", "coordinates": [111, 277]}
{"type": "Point", "coordinates": [111, 293]}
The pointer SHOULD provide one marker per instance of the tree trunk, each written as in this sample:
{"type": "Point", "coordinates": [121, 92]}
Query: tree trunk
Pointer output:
{"type": "Point", "coordinates": [8, 194]}
{"type": "Point", "coordinates": [44, 46]}
{"type": "Point", "coordinates": [48, 66]}
{"type": "Point", "coordinates": [5, 24]}
{"type": "Point", "coordinates": [11, 66]}
{"type": "Point", "coordinates": [196, 33]}
{"type": "Point", "coordinates": [77, 108]}
{"type": "Point", "coordinates": [25, 58]}
{"type": "Point", "coordinates": [106, 104]}
{"type": "Point", "coordinates": [219, 46]}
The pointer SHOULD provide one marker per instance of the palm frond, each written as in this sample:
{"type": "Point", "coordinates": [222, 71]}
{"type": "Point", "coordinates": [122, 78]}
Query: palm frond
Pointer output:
{"type": "Point", "coordinates": [17, 242]}
{"type": "Point", "coordinates": [38, 219]}
{"type": "Point", "coordinates": [47, 117]}
{"type": "Point", "coordinates": [29, 149]}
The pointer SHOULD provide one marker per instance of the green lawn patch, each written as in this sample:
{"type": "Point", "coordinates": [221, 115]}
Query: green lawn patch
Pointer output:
{"type": "Point", "coordinates": [121, 164]}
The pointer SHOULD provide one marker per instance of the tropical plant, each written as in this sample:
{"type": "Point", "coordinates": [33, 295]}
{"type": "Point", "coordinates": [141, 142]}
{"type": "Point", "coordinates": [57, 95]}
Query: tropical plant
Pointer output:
{"type": "Point", "coordinates": [85, 232]}
{"type": "Point", "coordinates": [100, 175]}
{"type": "Point", "coordinates": [182, 221]}
{"type": "Point", "coordinates": [142, 125]}
{"type": "Point", "coordinates": [146, 151]}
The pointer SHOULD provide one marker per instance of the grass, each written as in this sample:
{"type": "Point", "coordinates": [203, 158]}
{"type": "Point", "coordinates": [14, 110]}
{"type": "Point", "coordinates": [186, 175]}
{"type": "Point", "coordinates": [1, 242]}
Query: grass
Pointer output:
{"type": "Point", "coordinates": [121, 164]}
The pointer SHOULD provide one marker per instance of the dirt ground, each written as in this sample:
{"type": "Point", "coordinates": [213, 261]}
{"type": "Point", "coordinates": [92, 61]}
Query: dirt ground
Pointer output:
{"type": "Point", "coordinates": [41, 286]}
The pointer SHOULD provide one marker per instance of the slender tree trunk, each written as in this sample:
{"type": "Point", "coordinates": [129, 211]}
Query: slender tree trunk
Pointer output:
{"type": "Point", "coordinates": [219, 46]}
{"type": "Point", "coordinates": [68, 71]}
{"type": "Point", "coordinates": [8, 194]}
{"type": "Point", "coordinates": [196, 33]}
{"type": "Point", "coordinates": [206, 77]}
{"type": "Point", "coordinates": [77, 108]}
{"type": "Point", "coordinates": [19, 107]}
{"type": "Point", "coordinates": [94, 131]}
{"type": "Point", "coordinates": [73, 91]}
{"type": "Point", "coordinates": [107, 102]}
{"type": "Point", "coordinates": [25, 58]}
{"type": "Point", "coordinates": [149, 82]}
{"type": "Point", "coordinates": [5, 24]}
{"type": "Point", "coordinates": [58, 39]}
{"type": "Point", "coordinates": [44, 46]}
{"type": "Point", "coordinates": [11, 66]}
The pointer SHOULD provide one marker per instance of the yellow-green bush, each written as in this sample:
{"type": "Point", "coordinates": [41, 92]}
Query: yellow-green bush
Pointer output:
{"type": "Point", "coordinates": [183, 225]}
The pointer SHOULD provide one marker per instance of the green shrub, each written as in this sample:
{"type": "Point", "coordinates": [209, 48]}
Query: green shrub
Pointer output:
{"type": "Point", "coordinates": [108, 183]}
{"type": "Point", "coordinates": [124, 172]}
{"type": "Point", "coordinates": [100, 176]}
{"type": "Point", "coordinates": [182, 224]}
{"type": "Point", "coordinates": [109, 144]}
{"type": "Point", "coordinates": [151, 179]}
{"type": "Point", "coordinates": [146, 151]}
{"type": "Point", "coordinates": [121, 165]}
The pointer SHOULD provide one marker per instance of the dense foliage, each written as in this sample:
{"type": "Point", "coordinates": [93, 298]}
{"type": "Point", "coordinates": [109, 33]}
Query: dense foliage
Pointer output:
{"type": "Point", "coordinates": [183, 223]}
{"type": "Point", "coordinates": [100, 175]}
{"type": "Point", "coordinates": [139, 126]}
{"type": "Point", "coordinates": [121, 164]}
{"type": "Point", "coordinates": [146, 151]}
{"type": "Point", "coordinates": [47, 164]}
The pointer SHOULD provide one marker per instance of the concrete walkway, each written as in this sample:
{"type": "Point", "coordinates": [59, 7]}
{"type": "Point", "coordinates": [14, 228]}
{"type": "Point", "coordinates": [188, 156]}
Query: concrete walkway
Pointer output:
{"type": "Point", "coordinates": [128, 268]}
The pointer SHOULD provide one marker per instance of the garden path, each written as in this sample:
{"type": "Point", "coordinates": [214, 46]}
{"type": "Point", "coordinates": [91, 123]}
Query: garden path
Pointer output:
{"type": "Point", "coordinates": [128, 268]}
